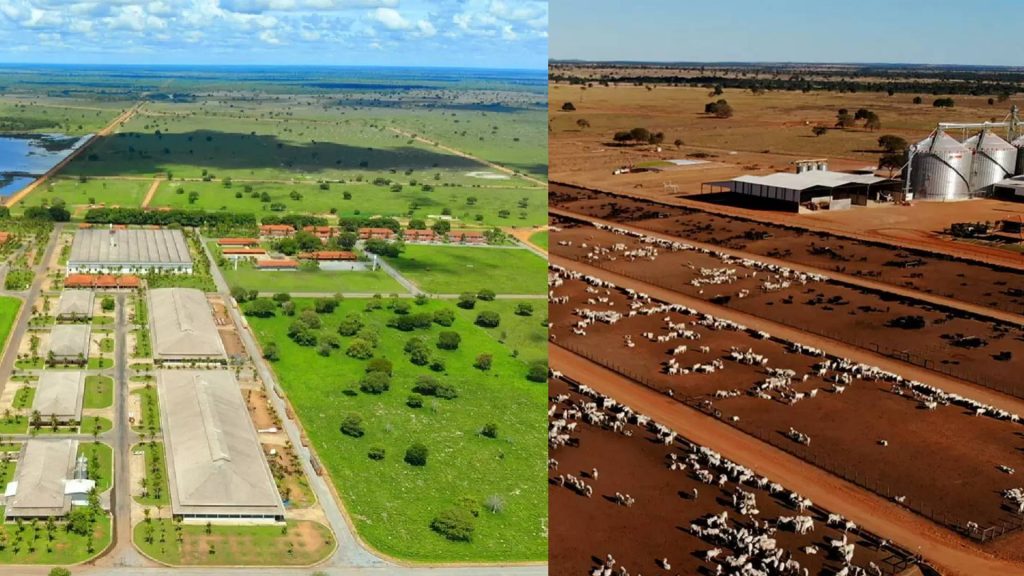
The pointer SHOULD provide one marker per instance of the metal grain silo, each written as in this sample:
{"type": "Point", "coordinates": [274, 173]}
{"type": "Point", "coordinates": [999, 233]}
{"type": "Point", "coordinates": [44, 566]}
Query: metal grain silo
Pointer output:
{"type": "Point", "coordinates": [1019, 143]}
{"type": "Point", "coordinates": [940, 169]}
{"type": "Point", "coordinates": [993, 160]}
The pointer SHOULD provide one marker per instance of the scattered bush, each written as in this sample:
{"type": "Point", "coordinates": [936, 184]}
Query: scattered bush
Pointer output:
{"type": "Point", "coordinates": [448, 340]}
{"type": "Point", "coordinates": [483, 362]}
{"type": "Point", "coordinates": [537, 372]}
{"type": "Point", "coordinates": [380, 365]}
{"type": "Point", "coordinates": [444, 317]}
{"type": "Point", "coordinates": [352, 426]}
{"type": "Point", "coordinates": [490, 430]}
{"type": "Point", "coordinates": [414, 401]}
{"type": "Point", "coordinates": [376, 453]}
{"type": "Point", "coordinates": [524, 309]}
{"type": "Point", "coordinates": [455, 524]}
{"type": "Point", "coordinates": [467, 301]}
{"type": "Point", "coordinates": [359, 349]}
{"type": "Point", "coordinates": [429, 385]}
{"type": "Point", "coordinates": [416, 454]}
{"type": "Point", "coordinates": [375, 383]}
{"type": "Point", "coordinates": [486, 295]}
{"type": "Point", "coordinates": [488, 319]}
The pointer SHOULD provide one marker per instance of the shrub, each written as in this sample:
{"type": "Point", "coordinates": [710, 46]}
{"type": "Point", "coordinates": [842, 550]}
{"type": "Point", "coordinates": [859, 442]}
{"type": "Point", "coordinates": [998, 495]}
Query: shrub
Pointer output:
{"type": "Point", "coordinates": [455, 524]}
{"type": "Point", "coordinates": [375, 383]}
{"type": "Point", "coordinates": [350, 324]}
{"type": "Point", "coordinates": [380, 365]}
{"type": "Point", "coordinates": [448, 340]}
{"type": "Point", "coordinates": [416, 454]}
{"type": "Point", "coordinates": [282, 297]}
{"type": "Point", "coordinates": [486, 295]}
{"type": "Point", "coordinates": [311, 319]}
{"type": "Point", "coordinates": [271, 352]}
{"type": "Point", "coordinates": [537, 372]}
{"type": "Point", "coordinates": [401, 307]}
{"type": "Point", "coordinates": [429, 385]}
{"type": "Point", "coordinates": [490, 430]}
{"type": "Point", "coordinates": [488, 319]}
{"type": "Point", "coordinates": [376, 453]}
{"type": "Point", "coordinates": [414, 401]}
{"type": "Point", "coordinates": [59, 571]}
{"type": "Point", "coordinates": [261, 308]}
{"type": "Point", "coordinates": [352, 426]}
{"type": "Point", "coordinates": [325, 305]}
{"type": "Point", "coordinates": [359, 349]}
{"type": "Point", "coordinates": [437, 364]}
{"type": "Point", "coordinates": [107, 304]}
{"type": "Point", "coordinates": [467, 301]}
{"type": "Point", "coordinates": [524, 309]}
{"type": "Point", "coordinates": [483, 362]}
{"type": "Point", "coordinates": [444, 317]}
{"type": "Point", "coordinates": [907, 322]}
{"type": "Point", "coordinates": [495, 503]}
{"type": "Point", "coordinates": [370, 335]}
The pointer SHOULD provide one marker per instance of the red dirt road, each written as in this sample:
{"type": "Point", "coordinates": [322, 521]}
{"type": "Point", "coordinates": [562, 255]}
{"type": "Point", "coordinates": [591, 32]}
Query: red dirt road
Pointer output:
{"type": "Point", "coordinates": [951, 554]}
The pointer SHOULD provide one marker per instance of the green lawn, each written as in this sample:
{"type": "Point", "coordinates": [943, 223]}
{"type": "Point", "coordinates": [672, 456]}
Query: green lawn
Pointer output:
{"type": "Point", "coordinates": [368, 282]}
{"type": "Point", "coordinates": [99, 392]}
{"type": "Point", "coordinates": [393, 503]}
{"type": "Point", "coordinates": [305, 543]}
{"type": "Point", "coordinates": [98, 363]}
{"type": "Point", "coordinates": [149, 420]}
{"type": "Point", "coordinates": [157, 493]}
{"type": "Point", "coordinates": [9, 308]}
{"type": "Point", "coordinates": [457, 269]}
{"type": "Point", "coordinates": [31, 546]}
{"type": "Point", "coordinates": [107, 345]}
{"type": "Point", "coordinates": [540, 239]}
{"type": "Point", "coordinates": [77, 195]}
{"type": "Point", "coordinates": [101, 463]}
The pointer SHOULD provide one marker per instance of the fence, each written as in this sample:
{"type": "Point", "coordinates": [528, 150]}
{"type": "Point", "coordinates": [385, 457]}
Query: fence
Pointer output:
{"type": "Point", "coordinates": [1007, 525]}
{"type": "Point", "coordinates": [921, 357]}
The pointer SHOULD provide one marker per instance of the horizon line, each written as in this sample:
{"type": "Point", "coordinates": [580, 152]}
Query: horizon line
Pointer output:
{"type": "Point", "coordinates": [776, 62]}
{"type": "Point", "coordinates": [194, 65]}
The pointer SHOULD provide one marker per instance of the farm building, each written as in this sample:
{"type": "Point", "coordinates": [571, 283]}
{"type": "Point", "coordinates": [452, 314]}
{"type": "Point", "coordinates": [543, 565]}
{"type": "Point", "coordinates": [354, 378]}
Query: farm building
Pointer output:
{"type": "Point", "coordinates": [69, 343]}
{"type": "Point", "coordinates": [324, 233]}
{"type": "Point", "coordinates": [60, 394]}
{"type": "Point", "coordinates": [182, 326]}
{"type": "Point", "coordinates": [467, 237]}
{"type": "Point", "coordinates": [327, 255]}
{"type": "Point", "coordinates": [811, 189]}
{"type": "Point", "coordinates": [104, 281]}
{"type": "Point", "coordinates": [233, 253]}
{"type": "Point", "coordinates": [376, 233]}
{"type": "Point", "coordinates": [277, 265]}
{"type": "Point", "coordinates": [411, 235]}
{"type": "Point", "coordinates": [1010, 188]}
{"type": "Point", "coordinates": [115, 251]}
{"type": "Point", "coordinates": [45, 483]}
{"type": "Point", "coordinates": [75, 304]}
{"type": "Point", "coordinates": [216, 466]}
{"type": "Point", "coordinates": [238, 242]}
{"type": "Point", "coordinates": [276, 230]}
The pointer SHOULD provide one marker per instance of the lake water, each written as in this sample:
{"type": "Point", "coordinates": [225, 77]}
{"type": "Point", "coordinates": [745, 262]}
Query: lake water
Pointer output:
{"type": "Point", "coordinates": [23, 156]}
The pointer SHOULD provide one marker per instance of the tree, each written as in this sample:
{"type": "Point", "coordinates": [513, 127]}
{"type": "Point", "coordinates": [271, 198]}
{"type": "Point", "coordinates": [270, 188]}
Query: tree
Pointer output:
{"type": "Point", "coordinates": [455, 524]}
{"type": "Point", "coordinates": [483, 362]}
{"type": "Point", "coordinates": [720, 108]}
{"type": "Point", "coordinates": [429, 385]}
{"type": "Point", "coordinates": [537, 372]}
{"type": "Point", "coordinates": [944, 103]}
{"type": "Point", "coordinates": [872, 122]}
{"type": "Point", "coordinates": [489, 430]}
{"type": "Point", "coordinates": [352, 426]}
{"type": "Point", "coordinates": [891, 143]}
{"type": "Point", "coordinates": [640, 134]}
{"type": "Point", "coordinates": [380, 365]}
{"type": "Point", "coordinates": [819, 130]}
{"type": "Point", "coordinates": [325, 305]}
{"type": "Point", "coordinates": [441, 227]}
{"type": "Point", "coordinates": [583, 123]}
{"type": "Point", "coordinates": [678, 143]}
{"type": "Point", "coordinates": [917, 100]}
{"type": "Point", "coordinates": [893, 161]}
{"type": "Point", "coordinates": [359, 349]}
{"type": "Point", "coordinates": [444, 317]}
{"type": "Point", "coordinates": [261, 308]}
{"type": "Point", "coordinates": [568, 107]}
{"type": "Point", "coordinates": [416, 454]}
{"type": "Point", "coordinates": [350, 325]}
{"type": "Point", "coordinates": [524, 309]}
{"type": "Point", "coordinates": [467, 300]}
{"type": "Point", "coordinates": [59, 571]}
{"type": "Point", "coordinates": [346, 240]}
{"type": "Point", "coordinates": [448, 340]}
{"type": "Point", "coordinates": [193, 196]}
{"type": "Point", "coordinates": [488, 319]}
{"type": "Point", "coordinates": [375, 383]}
{"type": "Point", "coordinates": [270, 352]}
{"type": "Point", "coordinates": [486, 294]}
{"type": "Point", "coordinates": [844, 119]}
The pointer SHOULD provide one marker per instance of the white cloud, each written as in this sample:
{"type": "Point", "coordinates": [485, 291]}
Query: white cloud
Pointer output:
{"type": "Point", "coordinates": [507, 33]}
{"type": "Point", "coordinates": [391, 19]}
{"type": "Point", "coordinates": [426, 29]}
{"type": "Point", "coordinates": [269, 37]}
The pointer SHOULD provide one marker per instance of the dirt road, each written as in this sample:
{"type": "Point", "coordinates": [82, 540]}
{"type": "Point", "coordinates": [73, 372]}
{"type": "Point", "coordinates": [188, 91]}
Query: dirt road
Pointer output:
{"type": "Point", "coordinates": [123, 117]}
{"type": "Point", "coordinates": [848, 279]}
{"type": "Point", "coordinates": [873, 513]}
{"type": "Point", "coordinates": [469, 156]}
{"type": "Point", "coordinates": [151, 192]}
{"type": "Point", "coordinates": [524, 234]}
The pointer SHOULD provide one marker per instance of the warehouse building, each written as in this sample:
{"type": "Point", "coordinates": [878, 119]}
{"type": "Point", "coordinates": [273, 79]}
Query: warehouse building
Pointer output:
{"type": "Point", "coordinates": [75, 305]}
{"type": "Point", "coordinates": [45, 483]}
{"type": "Point", "coordinates": [129, 251]}
{"type": "Point", "coordinates": [59, 394]}
{"type": "Point", "coordinates": [1010, 188]}
{"type": "Point", "coordinates": [216, 467]}
{"type": "Point", "coordinates": [69, 344]}
{"type": "Point", "coordinates": [811, 189]}
{"type": "Point", "coordinates": [183, 327]}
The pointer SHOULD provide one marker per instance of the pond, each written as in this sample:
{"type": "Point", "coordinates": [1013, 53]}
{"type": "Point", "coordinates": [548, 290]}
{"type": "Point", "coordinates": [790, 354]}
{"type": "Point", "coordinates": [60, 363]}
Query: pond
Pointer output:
{"type": "Point", "coordinates": [24, 156]}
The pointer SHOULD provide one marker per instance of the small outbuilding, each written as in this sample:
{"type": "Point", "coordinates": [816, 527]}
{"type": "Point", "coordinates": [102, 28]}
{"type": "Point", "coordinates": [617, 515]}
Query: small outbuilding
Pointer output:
{"type": "Point", "coordinates": [75, 305]}
{"type": "Point", "coordinates": [59, 394]}
{"type": "Point", "coordinates": [44, 484]}
{"type": "Point", "coordinates": [69, 343]}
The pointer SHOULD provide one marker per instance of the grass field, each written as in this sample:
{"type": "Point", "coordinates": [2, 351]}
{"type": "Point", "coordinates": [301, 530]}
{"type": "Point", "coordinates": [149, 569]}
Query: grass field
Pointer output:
{"type": "Point", "coordinates": [104, 476]}
{"type": "Point", "coordinates": [370, 282]}
{"type": "Point", "coordinates": [99, 392]}
{"type": "Point", "coordinates": [32, 546]}
{"type": "Point", "coordinates": [78, 195]}
{"type": "Point", "coordinates": [366, 200]}
{"type": "Point", "coordinates": [393, 503]}
{"type": "Point", "coordinates": [305, 543]}
{"type": "Point", "coordinates": [540, 239]}
{"type": "Point", "coordinates": [456, 269]}
{"type": "Point", "coordinates": [157, 492]}
{"type": "Point", "coordinates": [9, 307]}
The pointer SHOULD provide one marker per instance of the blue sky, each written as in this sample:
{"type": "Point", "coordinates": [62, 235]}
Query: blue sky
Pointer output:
{"type": "Point", "coordinates": [469, 33]}
{"type": "Point", "coordinates": [904, 31]}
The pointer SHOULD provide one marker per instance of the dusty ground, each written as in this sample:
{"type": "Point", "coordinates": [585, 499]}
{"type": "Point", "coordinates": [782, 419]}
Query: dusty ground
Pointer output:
{"type": "Point", "coordinates": [657, 523]}
{"type": "Point", "coordinates": [858, 317]}
{"type": "Point", "coordinates": [846, 428]}
{"type": "Point", "coordinates": [992, 286]}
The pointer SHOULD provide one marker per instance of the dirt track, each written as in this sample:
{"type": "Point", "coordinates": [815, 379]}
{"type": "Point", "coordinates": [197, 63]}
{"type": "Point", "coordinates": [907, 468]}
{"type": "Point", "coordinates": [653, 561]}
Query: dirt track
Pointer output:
{"type": "Point", "coordinates": [123, 117]}
{"type": "Point", "coordinates": [873, 513]}
{"type": "Point", "coordinates": [151, 192]}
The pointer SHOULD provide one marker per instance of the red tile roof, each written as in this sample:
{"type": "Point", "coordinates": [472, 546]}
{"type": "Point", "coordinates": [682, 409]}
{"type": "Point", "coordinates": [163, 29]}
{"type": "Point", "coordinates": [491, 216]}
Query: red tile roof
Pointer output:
{"type": "Point", "coordinates": [237, 251]}
{"type": "Point", "coordinates": [277, 264]}
{"type": "Point", "coordinates": [238, 241]}
{"type": "Point", "coordinates": [328, 255]}
{"type": "Point", "coordinates": [101, 281]}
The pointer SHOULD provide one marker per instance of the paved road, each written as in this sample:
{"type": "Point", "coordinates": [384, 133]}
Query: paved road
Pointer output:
{"type": "Point", "coordinates": [869, 511]}
{"type": "Point", "coordinates": [983, 311]}
{"type": "Point", "coordinates": [909, 371]}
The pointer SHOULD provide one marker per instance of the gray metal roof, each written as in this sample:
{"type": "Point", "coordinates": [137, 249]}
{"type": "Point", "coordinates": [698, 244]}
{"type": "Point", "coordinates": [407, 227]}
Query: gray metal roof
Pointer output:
{"type": "Point", "coordinates": [76, 302]}
{"type": "Point", "coordinates": [70, 340]}
{"type": "Point", "coordinates": [810, 179]}
{"type": "Point", "coordinates": [41, 473]}
{"type": "Point", "coordinates": [132, 246]}
{"type": "Point", "coordinates": [215, 459]}
{"type": "Point", "coordinates": [60, 393]}
{"type": "Point", "coordinates": [182, 325]}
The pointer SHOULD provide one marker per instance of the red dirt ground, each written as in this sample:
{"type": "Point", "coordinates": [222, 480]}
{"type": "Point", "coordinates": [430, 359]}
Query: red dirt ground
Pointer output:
{"type": "Point", "coordinates": [855, 316]}
{"type": "Point", "coordinates": [995, 287]}
{"type": "Point", "coordinates": [923, 445]}
{"type": "Point", "coordinates": [657, 524]}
